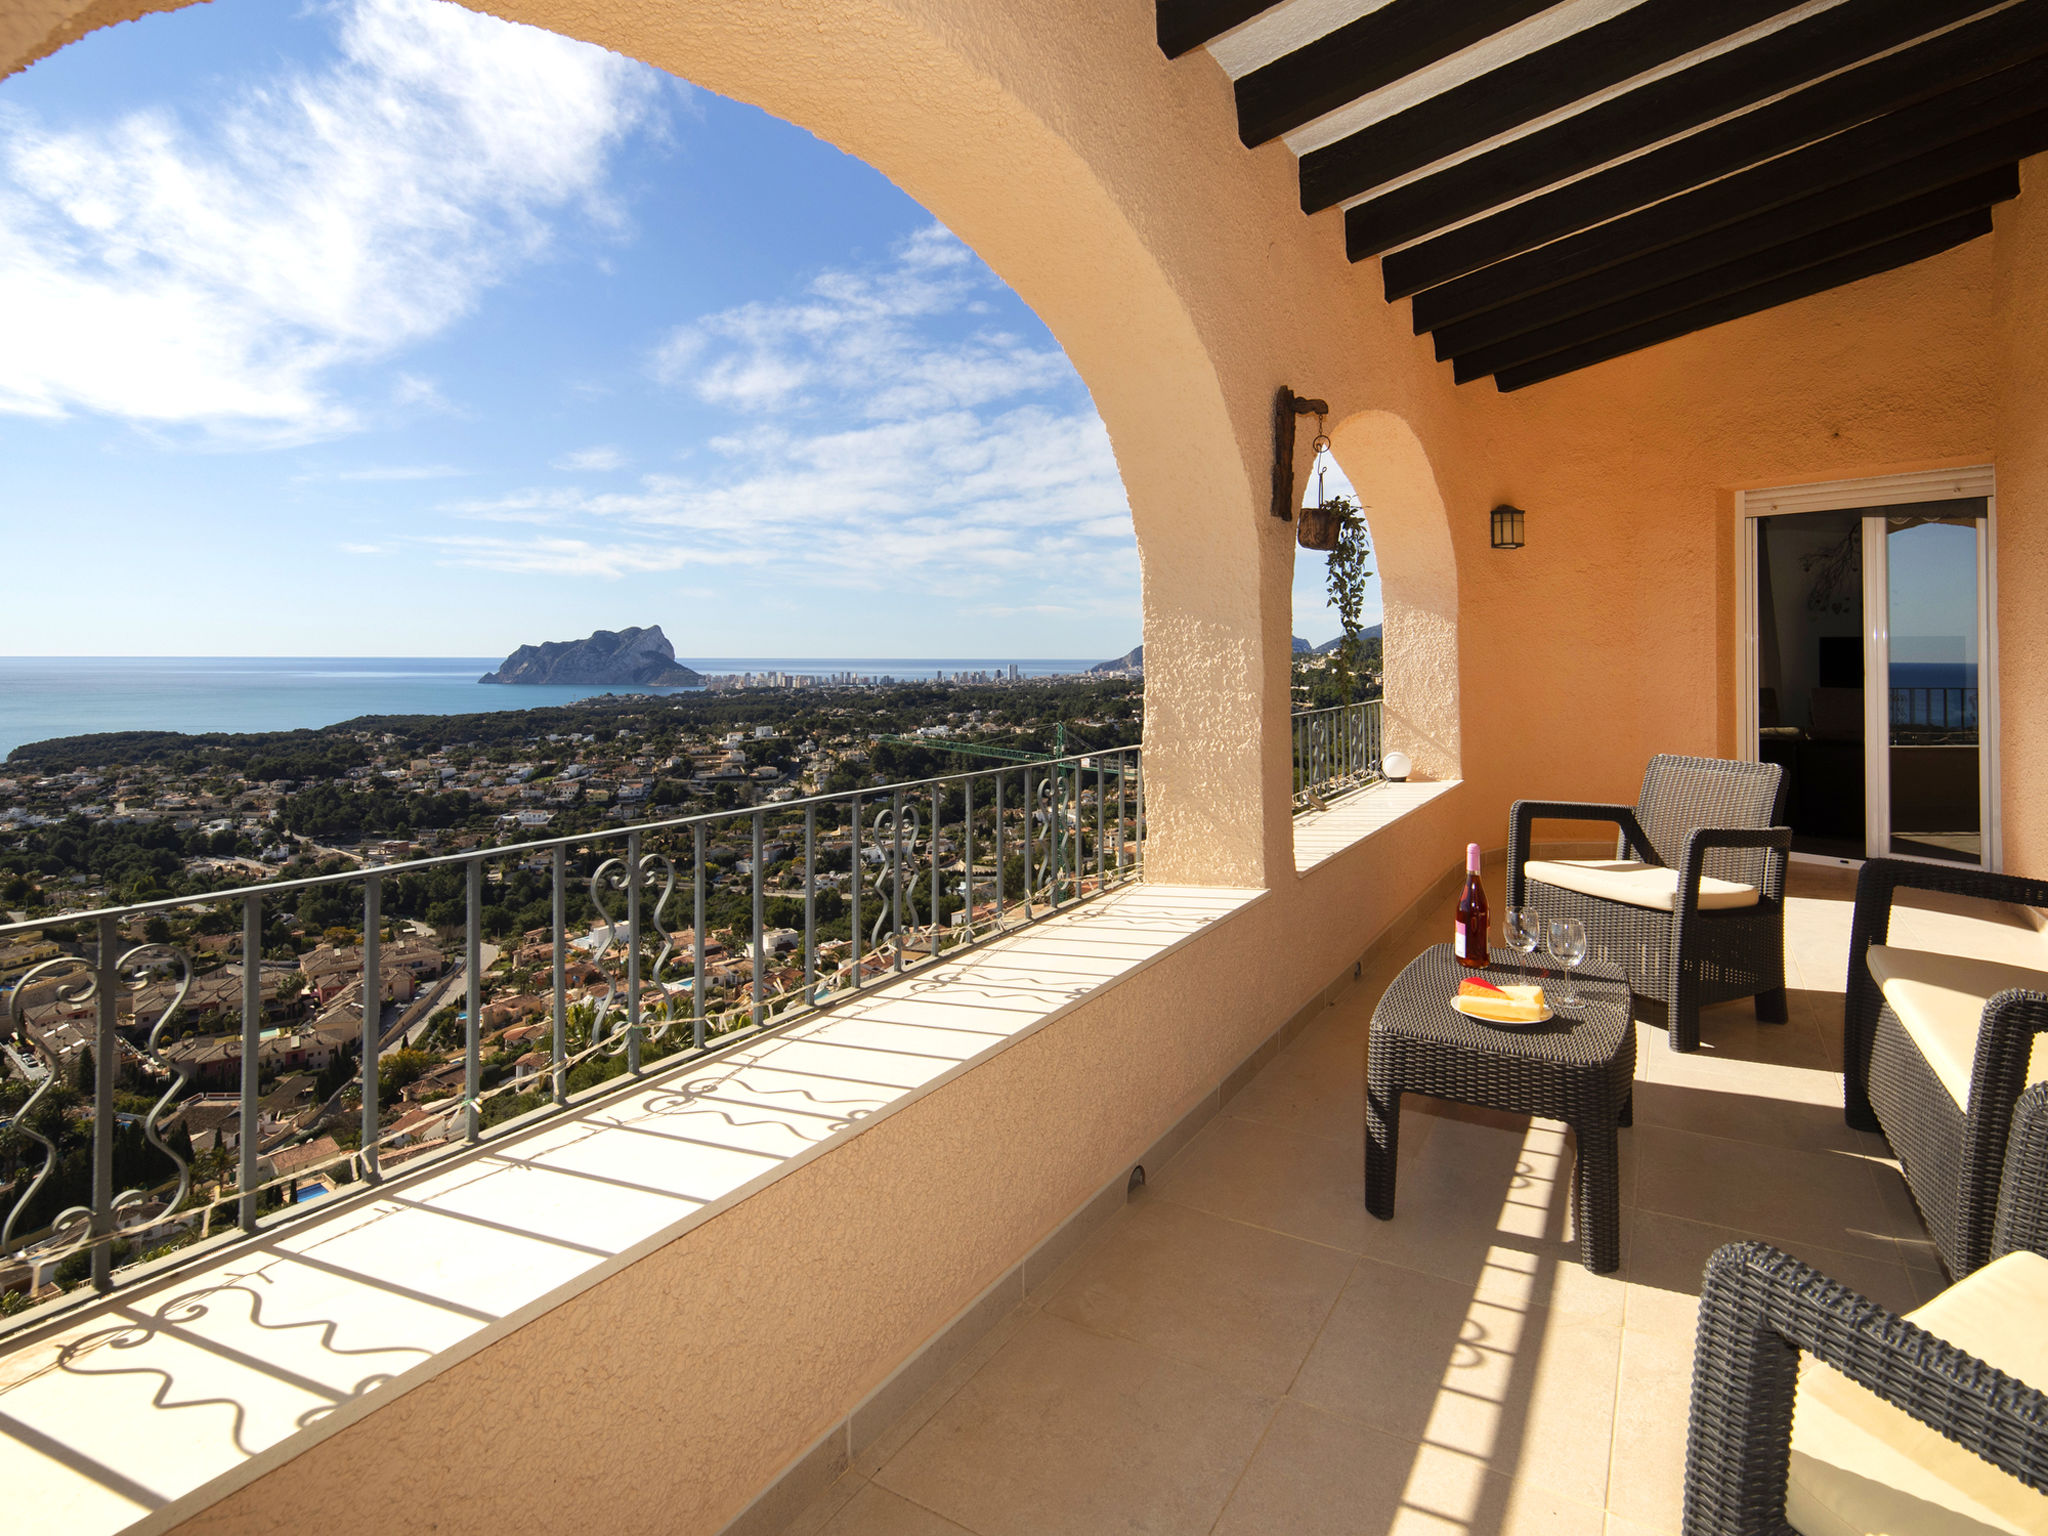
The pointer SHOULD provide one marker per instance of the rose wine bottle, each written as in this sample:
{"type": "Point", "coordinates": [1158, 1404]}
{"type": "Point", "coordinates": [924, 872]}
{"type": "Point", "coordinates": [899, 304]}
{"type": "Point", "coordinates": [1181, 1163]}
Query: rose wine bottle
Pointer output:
{"type": "Point", "coordinates": [1469, 937]}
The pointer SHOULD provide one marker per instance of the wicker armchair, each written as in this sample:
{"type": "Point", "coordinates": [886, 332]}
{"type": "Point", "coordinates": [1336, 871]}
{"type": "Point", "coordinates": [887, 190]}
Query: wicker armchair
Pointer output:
{"type": "Point", "coordinates": [1936, 1051]}
{"type": "Point", "coordinates": [2023, 1192]}
{"type": "Point", "coordinates": [1900, 1423]}
{"type": "Point", "coordinates": [1692, 906]}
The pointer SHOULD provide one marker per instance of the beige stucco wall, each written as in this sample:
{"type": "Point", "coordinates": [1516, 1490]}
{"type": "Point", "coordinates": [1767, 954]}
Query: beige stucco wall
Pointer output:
{"type": "Point", "coordinates": [2019, 348]}
{"type": "Point", "coordinates": [1109, 189]}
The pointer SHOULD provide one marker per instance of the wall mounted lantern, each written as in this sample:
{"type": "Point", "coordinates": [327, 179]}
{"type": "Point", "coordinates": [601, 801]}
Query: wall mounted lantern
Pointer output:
{"type": "Point", "coordinates": [1507, 527]}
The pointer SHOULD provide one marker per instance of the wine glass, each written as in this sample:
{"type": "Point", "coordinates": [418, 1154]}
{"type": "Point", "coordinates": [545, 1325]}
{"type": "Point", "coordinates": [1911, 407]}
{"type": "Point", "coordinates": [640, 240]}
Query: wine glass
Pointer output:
{"type": "Point", "coordinates": [1522, 927]}
{"type": "Point", "coordinates": [1567, 945]}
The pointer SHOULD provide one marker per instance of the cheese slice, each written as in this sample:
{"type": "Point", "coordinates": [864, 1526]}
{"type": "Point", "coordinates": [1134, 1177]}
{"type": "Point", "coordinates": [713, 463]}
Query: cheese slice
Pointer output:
{"type": "Point", "coordinates": [1521, 1005]}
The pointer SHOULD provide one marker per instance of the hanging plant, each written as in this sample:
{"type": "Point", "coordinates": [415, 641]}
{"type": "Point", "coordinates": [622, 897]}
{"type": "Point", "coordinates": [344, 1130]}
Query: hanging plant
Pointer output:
{"type": "Point", "coordinates": [1350, 548]}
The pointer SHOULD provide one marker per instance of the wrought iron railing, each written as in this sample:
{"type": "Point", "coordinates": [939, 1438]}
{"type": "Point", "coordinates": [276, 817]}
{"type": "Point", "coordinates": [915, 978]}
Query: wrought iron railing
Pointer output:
{"type": "Point", "coordinates": [1936, 709]}
{"type": "Point", "coordinates": [834, 894]}
{"type": "Point", "coordinates": [1335, 749]}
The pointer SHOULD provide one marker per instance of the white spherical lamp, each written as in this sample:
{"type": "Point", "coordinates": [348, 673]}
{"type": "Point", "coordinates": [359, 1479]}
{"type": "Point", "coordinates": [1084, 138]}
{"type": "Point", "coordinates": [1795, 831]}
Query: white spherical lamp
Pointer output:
{"type": "Point", "coordinates": [1396, 767]}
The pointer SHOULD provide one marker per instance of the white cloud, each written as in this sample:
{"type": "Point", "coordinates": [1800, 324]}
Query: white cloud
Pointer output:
{"type": "Point", "coordinates": [858, 339]}
{"type": "Point", "coordinates": [886, 435]}
{"type": "Point", "coordinates": [211, 275]}
{"type": "Point", "coordinates": [403, 472]}
{"type": "Point", "coordinates": [592, 460]}
{"type": "Point", "coordinates": [561, 557]}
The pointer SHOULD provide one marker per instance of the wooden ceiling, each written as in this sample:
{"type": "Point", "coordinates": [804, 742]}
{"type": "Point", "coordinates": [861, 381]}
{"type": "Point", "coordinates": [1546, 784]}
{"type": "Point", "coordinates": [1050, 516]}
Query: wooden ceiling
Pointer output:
{"type": "Point", "coordinates": [1555, 184]}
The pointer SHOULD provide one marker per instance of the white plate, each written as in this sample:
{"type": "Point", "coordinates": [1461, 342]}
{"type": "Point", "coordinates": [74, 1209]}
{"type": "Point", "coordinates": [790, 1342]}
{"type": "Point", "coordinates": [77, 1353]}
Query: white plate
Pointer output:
{"type": "Point", "coordinates": [1544, 1017]}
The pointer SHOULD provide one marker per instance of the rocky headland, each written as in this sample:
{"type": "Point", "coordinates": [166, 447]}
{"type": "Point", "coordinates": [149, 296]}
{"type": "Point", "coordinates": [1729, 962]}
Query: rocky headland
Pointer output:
{"type": "Point", "coordinates": [626, 656]}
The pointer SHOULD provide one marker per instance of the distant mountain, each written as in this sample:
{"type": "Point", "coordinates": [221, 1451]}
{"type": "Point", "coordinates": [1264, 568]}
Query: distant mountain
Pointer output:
{"type": "Point", "coordinates": [1370, 632]}
{"type": "Point", "coordinates": [641, 656]}
{"type": "Point", "coordinates": [1135, 661]}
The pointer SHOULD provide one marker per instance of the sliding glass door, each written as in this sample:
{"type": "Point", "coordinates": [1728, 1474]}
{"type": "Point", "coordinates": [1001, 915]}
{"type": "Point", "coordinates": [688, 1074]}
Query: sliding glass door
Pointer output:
{"type": "Point", "coordinates": [1934, 612]}
{"type": "Point", "coordinates": [1868, 642]}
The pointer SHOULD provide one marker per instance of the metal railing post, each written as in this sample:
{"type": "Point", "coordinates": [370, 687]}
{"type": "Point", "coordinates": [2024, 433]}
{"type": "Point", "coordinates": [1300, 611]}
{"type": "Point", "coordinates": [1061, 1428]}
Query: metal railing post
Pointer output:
{"type": "Point", "coordinates": [1138, 820]}
{"type": "Point", "coordinates": [697, 937]}
{"type": "Point", "coordinates": [967, 859]}
{"type": "Point", "coordinates": [252, 1039]}
{"type": "Point", "coordinates": [999, 849]}
{"type": "Point", "coordinates": [760, 930]}
{"type": "Point", "coordinates": [472, 959]}
{"type": "Point", "coordinates": [559, 924]}
{"type": "Point", "coordinates": [373, 1022]}
{"type": "Point", "coordinates": [106, 1072]}
{"type": "Point", "coordinates": [938, 900]}
{"type": "Point", "coordinates": [1030, 812]}
{"type": "Point", "coordinates": [633, 952]}
{"type": "Point", "coordinates": [811, 904]}
{"type": "Point", "coordinates": [857, 945]}
{"type": "Point", "coordinates": [896, 879]}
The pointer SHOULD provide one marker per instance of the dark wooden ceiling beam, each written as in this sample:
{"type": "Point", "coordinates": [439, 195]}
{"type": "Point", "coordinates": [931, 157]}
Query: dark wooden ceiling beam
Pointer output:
{"type": "Point", "coordinates": [1960, 61]}
{"type": "Point", "coordinates": [1854, 267]}
{"type": "Point", "coordinates": [1751, 270]}
{"type": "Point", "coordinates": [1185, 25]}
{"type": "Point", "coordinates": [1710, 89]}
{"type": "Point", "coordinates": [1957, 183]}
{"type": "Point", "coordinates": [1361, 56]}
{"type": "Point", "coordinates": [1934, 128]}
{"type": "Point", "coordinates": [1570, 69]}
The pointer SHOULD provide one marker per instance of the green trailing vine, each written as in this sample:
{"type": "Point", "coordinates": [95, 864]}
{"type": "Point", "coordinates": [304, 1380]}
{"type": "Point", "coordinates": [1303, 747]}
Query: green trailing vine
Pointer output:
{"type": "Point", "coordinates": [1346, 587]}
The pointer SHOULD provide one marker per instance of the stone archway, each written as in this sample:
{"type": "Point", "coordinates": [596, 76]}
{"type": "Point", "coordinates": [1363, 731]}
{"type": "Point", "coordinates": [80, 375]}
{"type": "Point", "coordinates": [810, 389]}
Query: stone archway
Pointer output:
{"type": "Point", "coordinates": [920, 93]}
{"type": "Point", "coordinates": [1418, 570]}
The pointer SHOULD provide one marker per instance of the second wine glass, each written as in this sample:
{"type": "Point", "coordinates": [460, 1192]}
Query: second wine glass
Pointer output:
{"type": "Point", "coordinates": [1567, 945]}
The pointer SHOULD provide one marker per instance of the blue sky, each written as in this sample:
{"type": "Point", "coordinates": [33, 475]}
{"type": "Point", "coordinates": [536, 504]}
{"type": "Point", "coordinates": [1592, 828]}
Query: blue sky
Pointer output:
{"type": "Point", "coordinates": [381, 328]}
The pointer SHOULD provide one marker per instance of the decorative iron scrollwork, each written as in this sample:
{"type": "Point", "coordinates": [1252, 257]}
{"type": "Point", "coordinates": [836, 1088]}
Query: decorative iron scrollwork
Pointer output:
{"type": "Point", "coordinates": [71, 1228]}
{"type": "Point", "coordinates": [893, 889]}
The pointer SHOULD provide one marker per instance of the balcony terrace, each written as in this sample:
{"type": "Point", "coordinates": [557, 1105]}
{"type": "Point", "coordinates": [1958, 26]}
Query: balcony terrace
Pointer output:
{"type": "Point", "coordinates": [1241, 1348]}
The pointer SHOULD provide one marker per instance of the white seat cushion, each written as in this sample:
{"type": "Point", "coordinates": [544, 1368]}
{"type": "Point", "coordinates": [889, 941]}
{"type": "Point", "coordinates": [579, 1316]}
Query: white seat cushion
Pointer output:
{"type": "Point", "coordinates": [1861, 1467]}
{"type": "Point", "coordinates": [1640, 885]}
{"type": "Point", "coordinates": [1940, 999]}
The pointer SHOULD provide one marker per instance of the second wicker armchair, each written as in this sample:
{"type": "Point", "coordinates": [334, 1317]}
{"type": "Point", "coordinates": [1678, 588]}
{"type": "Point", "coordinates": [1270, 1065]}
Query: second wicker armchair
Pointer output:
{"type": "Point", "coordinates": [1692, 905]}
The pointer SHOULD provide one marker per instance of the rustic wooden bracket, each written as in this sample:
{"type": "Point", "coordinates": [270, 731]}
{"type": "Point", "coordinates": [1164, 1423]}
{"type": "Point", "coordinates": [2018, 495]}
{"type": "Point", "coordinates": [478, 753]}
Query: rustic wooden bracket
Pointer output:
{"type": "Point", "coordinates": [1286, 406]}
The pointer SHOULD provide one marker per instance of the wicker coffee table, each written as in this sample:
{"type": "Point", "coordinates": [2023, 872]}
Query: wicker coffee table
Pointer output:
{"type": "Point", "coordinates": [1578, 1067]}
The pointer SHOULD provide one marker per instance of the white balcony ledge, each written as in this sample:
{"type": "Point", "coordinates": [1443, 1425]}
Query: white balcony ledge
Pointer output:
{"type": "Point", "coordinates": [168, 1394]}
{"type": "Point", "coordinates": [1321, 835]}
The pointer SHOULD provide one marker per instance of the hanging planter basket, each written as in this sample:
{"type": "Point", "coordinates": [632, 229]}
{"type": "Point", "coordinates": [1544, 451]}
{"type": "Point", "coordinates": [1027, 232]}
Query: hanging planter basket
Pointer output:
{"type": "Point", "coordinates": [1319, 527]}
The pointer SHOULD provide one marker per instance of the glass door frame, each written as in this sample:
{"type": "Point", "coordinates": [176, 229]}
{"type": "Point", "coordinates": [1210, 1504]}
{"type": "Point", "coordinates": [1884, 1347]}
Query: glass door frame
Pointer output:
{"type": "Point", "coordinates": [1972, 483]}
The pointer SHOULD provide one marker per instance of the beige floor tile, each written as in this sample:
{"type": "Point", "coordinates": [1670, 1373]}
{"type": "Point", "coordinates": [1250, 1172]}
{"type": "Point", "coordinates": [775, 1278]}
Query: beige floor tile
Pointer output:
{"type": "Point", "coordinates": [1732, 1030]}
{"type": "Point", "coordinates": [1616, 1526]}
{"type": "Point", "coordinates": [878, 1512]}
{"type": "Point", "coordinates": [1239, 1300]}
{"type": "Point", "coordinates": [1317, 1475]}
{"type": "Point", "coordinates": [1528, 1391]}
{"type": "Point", "coordinates": [1065, 1431]}
{"type": "Point", "coordinates": [1253, 1172]}
{"type": "Point", "coordinates": [1668, 1255]}
{"type": "Point", "coordinates": [1927, 1284]}
{"type": "Point", "coordinates": [1316, 1087]}
{"type": "Point", "coordinates": [1646, 1483]}
{"type": "Point", "coordinates": [1795, 1199]}
{"type": "Point", "coordinates": [1771, 1120]}
{"type": "Point", "coordinates": [897, 1435]}
{"type": "Point", "coordinates": [1474, 1189]}
{"type": "Point", "coordinates": [827, 1505]}
{"type": "Point", "coordinates": [1915, 1246]}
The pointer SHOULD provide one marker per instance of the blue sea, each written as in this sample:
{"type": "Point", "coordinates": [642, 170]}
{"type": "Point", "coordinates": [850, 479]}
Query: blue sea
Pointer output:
{"type": "Point", "coordinates": [46, 696]}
